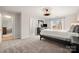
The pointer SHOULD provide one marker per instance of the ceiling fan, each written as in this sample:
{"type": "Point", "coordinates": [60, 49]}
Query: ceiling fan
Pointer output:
{"type": "Point", "coordinates": [46, 12]}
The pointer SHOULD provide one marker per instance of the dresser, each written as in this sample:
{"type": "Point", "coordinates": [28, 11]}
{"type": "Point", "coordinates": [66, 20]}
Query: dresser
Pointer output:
{"type": "Point", "coordinates": [4, 30]}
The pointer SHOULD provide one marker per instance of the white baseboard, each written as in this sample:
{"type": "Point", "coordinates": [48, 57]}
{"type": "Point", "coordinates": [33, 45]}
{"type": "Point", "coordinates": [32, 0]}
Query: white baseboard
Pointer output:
{"type": "Point", "coordinates": [27, 36]}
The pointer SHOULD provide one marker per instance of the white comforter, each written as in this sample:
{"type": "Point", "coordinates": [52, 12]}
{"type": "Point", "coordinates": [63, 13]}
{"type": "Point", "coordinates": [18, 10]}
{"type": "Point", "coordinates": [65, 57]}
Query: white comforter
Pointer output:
{"type": "Point", "coordinates": [61, 34]}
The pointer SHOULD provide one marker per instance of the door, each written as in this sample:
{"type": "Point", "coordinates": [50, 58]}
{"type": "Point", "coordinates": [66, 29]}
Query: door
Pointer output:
{"type": "Point", "coordinates": [7, 27]}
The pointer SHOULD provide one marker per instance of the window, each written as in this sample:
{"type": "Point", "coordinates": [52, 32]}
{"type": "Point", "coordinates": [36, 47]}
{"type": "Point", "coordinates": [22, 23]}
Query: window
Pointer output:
{"type": "Point", "coordinates": [56, 24]}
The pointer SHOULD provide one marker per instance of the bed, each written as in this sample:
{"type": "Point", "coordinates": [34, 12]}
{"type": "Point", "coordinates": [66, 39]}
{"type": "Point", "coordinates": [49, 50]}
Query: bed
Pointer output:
{"type": "Point", "coordinates": [58, 34]}
{"type": "Point", "coordinates": [70, 38]}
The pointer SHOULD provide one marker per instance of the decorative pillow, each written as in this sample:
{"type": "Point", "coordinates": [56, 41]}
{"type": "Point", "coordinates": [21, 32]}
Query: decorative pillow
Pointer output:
{"type": "Point", "coordinates": [76, 29]}
{"type": "Point", "coordinates": [72, 28]}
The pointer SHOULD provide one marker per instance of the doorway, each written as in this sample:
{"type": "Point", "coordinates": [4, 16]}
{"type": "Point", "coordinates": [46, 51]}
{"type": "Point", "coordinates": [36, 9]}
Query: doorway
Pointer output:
{"type": "Point", "coordinates": [7, 27]}
{"type": "Point", "coordinates": [11, 26]}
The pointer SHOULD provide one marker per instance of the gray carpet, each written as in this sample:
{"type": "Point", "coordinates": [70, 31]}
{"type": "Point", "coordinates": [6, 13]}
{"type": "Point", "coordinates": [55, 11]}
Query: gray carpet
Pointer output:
{"type": "Point", "coordinates": [32, 45]}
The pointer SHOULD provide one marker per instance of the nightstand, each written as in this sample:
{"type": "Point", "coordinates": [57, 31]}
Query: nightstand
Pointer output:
{"type": "Point", "coordinates": [38, 30]}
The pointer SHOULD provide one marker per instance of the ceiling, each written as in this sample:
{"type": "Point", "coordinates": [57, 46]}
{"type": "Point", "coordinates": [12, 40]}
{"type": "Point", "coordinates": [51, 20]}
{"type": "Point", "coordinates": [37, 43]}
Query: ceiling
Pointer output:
{"type": "Point", "coordinates": [56, 11]}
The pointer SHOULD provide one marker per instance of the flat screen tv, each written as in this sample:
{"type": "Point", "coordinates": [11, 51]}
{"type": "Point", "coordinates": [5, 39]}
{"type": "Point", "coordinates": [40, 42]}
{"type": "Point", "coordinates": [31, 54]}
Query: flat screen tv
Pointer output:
{"type": "Point", "coordinates": [44, 25]}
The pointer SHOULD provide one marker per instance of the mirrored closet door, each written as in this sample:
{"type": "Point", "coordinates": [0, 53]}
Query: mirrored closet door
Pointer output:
{"type": "Point", "coordinates": [7, 27]}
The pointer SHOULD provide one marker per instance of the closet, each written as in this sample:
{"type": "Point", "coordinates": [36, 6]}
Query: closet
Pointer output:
{"type": "Point", "coordinates": [10, 25]}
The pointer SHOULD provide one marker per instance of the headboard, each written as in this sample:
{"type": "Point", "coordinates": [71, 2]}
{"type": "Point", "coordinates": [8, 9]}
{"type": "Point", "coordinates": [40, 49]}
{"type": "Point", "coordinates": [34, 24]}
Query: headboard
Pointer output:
{"type": "Point", "coordinates": [76, 29]}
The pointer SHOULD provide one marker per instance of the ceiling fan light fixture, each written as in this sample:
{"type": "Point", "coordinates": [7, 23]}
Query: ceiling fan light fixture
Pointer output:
{"type": "Point", "coordinates": [46, 12]}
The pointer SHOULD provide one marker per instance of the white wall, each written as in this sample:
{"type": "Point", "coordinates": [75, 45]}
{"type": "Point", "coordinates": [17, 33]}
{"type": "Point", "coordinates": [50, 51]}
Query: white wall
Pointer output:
{"type": "Point", "coordinates": [33, 26]}
{"type": "Point", "coordinates": [68, 21]}
{"type": "Point", "coordinates": [25, 25]}
{"type": "Point", "coordinates": [18, 26]}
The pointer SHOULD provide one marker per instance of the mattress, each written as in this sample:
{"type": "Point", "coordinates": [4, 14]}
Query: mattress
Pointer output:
{"type": "Point", "coordinates": [59, 34]}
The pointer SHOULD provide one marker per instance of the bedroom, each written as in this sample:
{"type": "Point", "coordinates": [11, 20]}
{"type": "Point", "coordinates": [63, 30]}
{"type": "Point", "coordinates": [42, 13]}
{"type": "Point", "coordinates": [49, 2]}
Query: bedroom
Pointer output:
{"type": "Point", "coordinates": [34, 20]}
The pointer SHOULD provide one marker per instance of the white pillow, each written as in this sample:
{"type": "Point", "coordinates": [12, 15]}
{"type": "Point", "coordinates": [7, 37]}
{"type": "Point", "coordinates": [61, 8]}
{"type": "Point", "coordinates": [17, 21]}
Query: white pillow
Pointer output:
{"type": "Point", "coordinates": [72, 28]}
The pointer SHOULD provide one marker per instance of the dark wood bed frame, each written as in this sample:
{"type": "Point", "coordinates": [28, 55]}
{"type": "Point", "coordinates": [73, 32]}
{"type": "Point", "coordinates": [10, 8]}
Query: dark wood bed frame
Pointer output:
{"type": "Point", "coordinates": [55, 39]}
{"type": "Point", "coordinates": [66, 43]}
